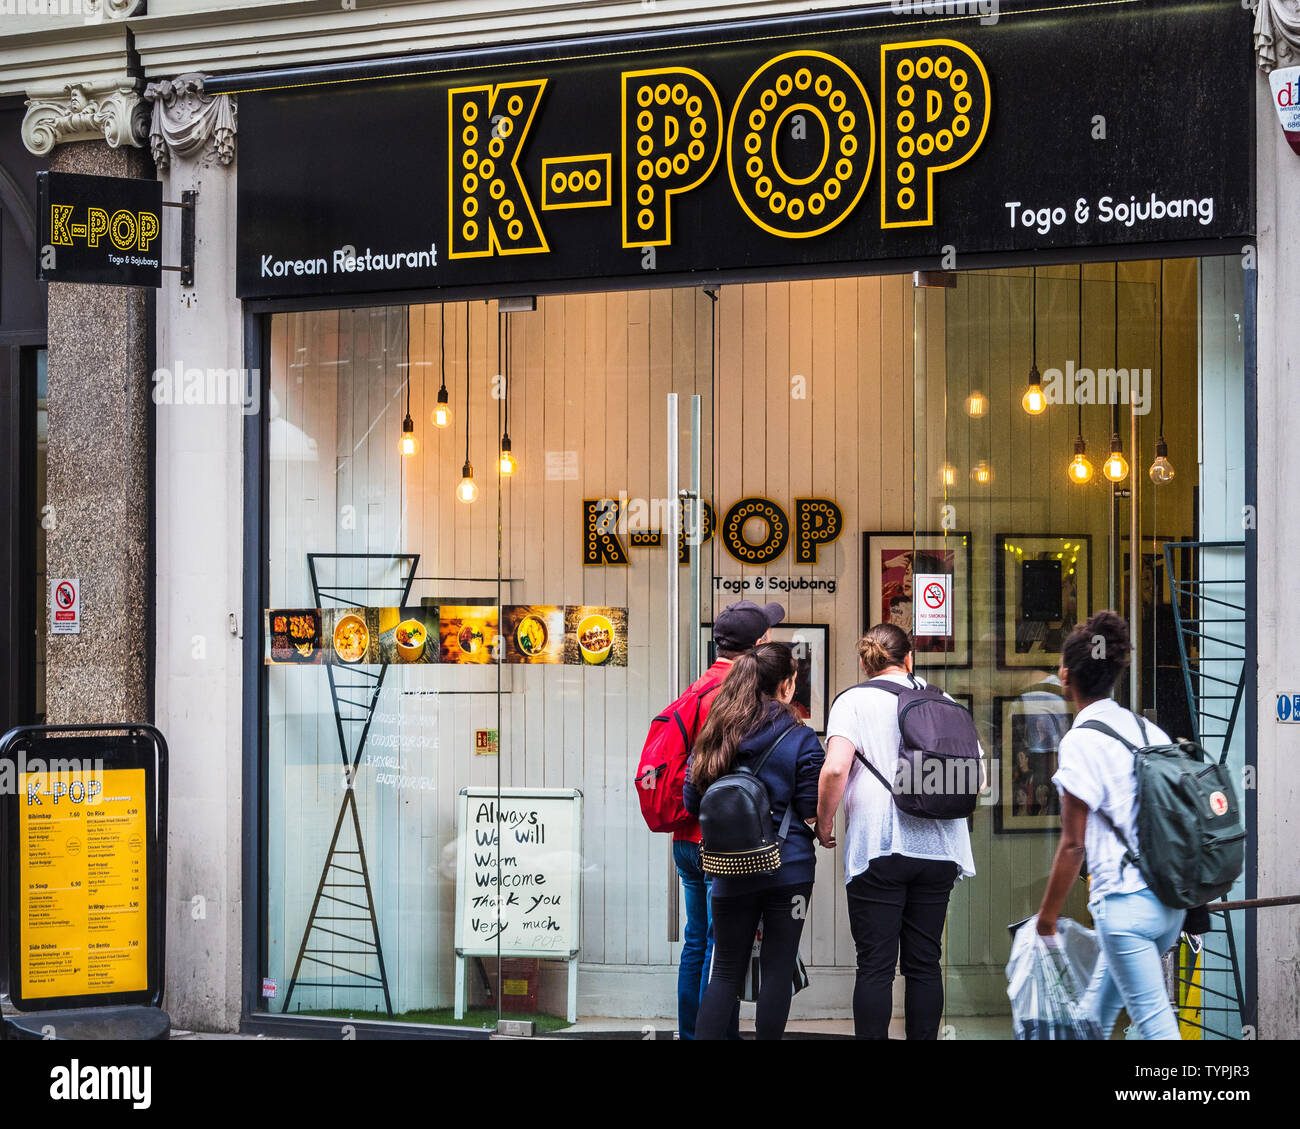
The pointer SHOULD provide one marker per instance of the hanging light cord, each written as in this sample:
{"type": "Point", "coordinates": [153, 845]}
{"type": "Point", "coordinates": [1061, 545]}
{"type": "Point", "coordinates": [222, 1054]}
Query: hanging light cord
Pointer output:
{"type": "Point", "coordinates": [1077, 402]}
{"type": "Point", "coordinates": [466, 382]}
{"type": "Point", "coordinates": [442, 345]}
{"type": "Point", "coordinates": [1162, 348]}
{"type": "Point", "coordinates": [1114, 408]}
{"type": "Point", "coordinates": [503, 355]}
{"type": "Point", "coordinates": [1034, 348]}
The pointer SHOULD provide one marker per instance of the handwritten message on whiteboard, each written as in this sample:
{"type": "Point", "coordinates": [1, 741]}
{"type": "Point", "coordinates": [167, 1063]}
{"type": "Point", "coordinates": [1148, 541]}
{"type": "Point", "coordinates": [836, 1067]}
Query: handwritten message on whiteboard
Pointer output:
{"type": "Point", "coordinates": [519, 872]}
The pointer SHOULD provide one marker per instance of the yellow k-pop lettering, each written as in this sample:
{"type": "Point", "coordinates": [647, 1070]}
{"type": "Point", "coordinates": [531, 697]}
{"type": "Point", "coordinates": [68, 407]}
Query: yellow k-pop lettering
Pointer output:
{"type": "Point", "coordinates": [934, 113]}
{"type": "Point", "coordinates": [59, 216]}
{"type": "Point", "coordinates": [491, 211]}
{"type": "Point", "coordinates": [672, 135]}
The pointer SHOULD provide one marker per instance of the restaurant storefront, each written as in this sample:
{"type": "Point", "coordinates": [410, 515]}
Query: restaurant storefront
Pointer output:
{"type": "Point", "coordinates": [562, 348]}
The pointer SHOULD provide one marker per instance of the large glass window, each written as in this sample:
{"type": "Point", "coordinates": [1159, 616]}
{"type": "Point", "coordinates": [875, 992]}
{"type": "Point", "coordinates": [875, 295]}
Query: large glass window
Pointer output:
{"type": "Point", "coordinates": [1142, 376]}
{"type": "Point", "coordinates": [867, 439]}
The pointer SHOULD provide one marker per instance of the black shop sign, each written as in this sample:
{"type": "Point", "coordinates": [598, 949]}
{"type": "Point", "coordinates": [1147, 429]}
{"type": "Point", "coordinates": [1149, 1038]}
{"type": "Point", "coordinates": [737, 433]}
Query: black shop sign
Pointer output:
{"type": "Point", "coordinates": [102, 229]}
{"type": "Point", "coordinates": [806, 145]}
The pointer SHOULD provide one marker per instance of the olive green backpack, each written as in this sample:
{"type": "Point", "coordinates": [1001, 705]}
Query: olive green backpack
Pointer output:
{"type": "Point", "coordinates": [1191, 842]}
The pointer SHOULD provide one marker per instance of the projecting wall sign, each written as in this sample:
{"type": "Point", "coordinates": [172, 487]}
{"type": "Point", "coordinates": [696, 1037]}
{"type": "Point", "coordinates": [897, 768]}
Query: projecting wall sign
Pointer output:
{"type": "Point", "coordinates": [848, 138]}
{"type": "Point", "coordinates": [102, 229]}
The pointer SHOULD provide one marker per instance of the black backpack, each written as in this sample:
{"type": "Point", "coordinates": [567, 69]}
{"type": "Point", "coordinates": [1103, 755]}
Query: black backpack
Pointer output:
{"type": "Point", "coordinates": [938, 774]}
{"type": "Point", "coordinates": [1191, 842]}
{"type": "Point", "coordinates": [736, 820]}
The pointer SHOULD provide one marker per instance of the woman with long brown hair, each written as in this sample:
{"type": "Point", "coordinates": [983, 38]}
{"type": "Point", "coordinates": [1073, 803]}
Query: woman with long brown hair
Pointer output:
{"type": "Point", "coordinates": [751, 714]}
{"type": "Point", "coordinates": [900, 868]}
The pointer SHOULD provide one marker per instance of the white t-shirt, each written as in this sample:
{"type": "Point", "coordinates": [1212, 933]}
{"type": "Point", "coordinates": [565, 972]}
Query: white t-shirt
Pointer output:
{"type": "Point", "coordinates": [868, 719]}
{"type": "Point", "coordinates": [1099, 771]}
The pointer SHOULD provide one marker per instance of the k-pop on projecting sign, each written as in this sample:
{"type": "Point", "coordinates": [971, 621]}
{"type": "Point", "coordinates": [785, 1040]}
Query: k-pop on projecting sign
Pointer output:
{"type": "Point", "coordinates": [802, 144]}
{"type": "Point", "coordinates": [99, 229]}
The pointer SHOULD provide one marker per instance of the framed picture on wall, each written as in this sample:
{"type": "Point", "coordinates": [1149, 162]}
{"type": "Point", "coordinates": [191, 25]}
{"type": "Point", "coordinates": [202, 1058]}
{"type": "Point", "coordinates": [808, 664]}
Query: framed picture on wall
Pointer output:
{"type": "Point", "coordinates": [1044, 582]}
{"type": "Point", "coordinates": [1028, 732]}
{"type": "Point", "coordinates": [811, 645]}
{"type": "Point", "coordinates": [937, 611]}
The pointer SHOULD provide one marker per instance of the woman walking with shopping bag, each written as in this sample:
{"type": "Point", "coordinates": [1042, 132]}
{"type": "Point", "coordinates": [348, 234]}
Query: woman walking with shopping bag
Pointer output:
{"type": "Point", "coordinates": [1099, 810]}
{"type": "Point", "coordinates": [753, 784]}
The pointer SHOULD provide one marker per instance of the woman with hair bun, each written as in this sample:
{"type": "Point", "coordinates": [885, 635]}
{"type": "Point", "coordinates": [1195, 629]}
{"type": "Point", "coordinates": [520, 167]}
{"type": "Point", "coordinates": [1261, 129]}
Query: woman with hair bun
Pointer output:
{"type": "Point", "coordinates": [1098, 790]}
{"type": "Point", "coordinates": [900, 868]}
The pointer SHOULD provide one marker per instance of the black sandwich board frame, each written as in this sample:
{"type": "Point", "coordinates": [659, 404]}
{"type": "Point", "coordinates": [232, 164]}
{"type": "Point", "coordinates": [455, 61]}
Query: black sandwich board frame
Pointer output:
{"type": "Point", "coordinates": [133, 746]}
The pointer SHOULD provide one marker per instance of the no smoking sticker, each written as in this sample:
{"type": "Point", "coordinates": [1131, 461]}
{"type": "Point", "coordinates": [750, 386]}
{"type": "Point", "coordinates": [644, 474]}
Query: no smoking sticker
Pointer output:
{"type": "Point", "coordinates": [65, 607]}
{"type": "Point", "coordinates": [933, 610]}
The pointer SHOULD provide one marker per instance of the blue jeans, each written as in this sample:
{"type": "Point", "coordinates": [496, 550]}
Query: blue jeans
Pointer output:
{"type": "Point", "coordinates": [1134, 931]}
{"type": "Point", "coordinates": [697, 942]}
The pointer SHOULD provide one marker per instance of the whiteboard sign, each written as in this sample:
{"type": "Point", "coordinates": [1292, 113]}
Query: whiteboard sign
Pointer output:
{"type": "Point", "coordinates": [932, 603]}
{"type": "Point", "coordinates": [519, 872]}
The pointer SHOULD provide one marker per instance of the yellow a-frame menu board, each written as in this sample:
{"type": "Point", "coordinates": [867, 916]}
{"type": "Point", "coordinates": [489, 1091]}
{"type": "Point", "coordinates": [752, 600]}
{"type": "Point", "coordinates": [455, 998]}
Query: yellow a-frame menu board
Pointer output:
{"type": "Point", "coordinates": [83, 883]}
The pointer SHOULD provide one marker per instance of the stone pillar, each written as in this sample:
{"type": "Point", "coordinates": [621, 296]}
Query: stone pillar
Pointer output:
{"type": "Point", "coordinates": [199, 508]}
{"type": "Point", "coordinates": [98, 479]}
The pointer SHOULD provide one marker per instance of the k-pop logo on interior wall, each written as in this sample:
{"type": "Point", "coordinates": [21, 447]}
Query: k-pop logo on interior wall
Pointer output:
{"type": "Point", "coordinates": [839, 138]}
{"type": "Point", "coordinates": [755, 530]}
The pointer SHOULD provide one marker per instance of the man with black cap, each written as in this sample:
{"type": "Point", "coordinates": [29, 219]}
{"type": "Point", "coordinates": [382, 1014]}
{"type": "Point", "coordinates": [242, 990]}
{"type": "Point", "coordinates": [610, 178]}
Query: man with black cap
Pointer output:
{"type": "Point", "coordinates": [736, 629]}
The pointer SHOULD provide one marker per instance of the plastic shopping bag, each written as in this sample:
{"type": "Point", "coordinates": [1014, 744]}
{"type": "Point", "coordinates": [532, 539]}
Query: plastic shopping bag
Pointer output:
{"type": "Point", "coordinates": [1046, 980]}
{"type": "Point", "coordinates": [749, 991]}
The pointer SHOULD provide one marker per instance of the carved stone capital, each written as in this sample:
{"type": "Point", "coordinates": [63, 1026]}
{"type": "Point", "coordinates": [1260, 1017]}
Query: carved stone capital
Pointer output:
{"type": "Point", "coordinates": [1277, 33]}
{"type": "Point", "coordinates": [189, 124]}
{"type": "Point", "coordinates": [112, 9]}
{"type": "Point", "coordinates": [100, 109]}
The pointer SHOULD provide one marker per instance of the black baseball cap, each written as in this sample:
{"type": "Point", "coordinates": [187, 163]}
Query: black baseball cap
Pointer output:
{"type": "Point", "coordinates": [741, 625]}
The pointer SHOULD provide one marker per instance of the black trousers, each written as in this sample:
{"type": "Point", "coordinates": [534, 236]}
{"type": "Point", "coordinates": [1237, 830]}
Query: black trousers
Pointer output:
{"type": "Point", "coordinates": [897, 908]}
{"type": "Point", "coordinates": [782, 910]}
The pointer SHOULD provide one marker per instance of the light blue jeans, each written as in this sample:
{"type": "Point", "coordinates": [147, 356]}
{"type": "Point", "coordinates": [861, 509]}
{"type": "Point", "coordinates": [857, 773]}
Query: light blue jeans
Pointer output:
{"type": "Point", "coordinates": [1134, 931]}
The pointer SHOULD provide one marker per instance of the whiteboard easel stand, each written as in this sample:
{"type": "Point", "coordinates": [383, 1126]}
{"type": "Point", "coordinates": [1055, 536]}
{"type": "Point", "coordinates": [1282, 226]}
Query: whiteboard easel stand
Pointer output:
{"type": "Point", "coordinates": [462, 979]}
{"type": "Point", "coordinates": [573, 796]}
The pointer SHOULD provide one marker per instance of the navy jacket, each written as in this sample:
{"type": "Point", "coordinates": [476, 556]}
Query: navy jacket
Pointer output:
{"type": "Point", "coordinates": [790, 775]}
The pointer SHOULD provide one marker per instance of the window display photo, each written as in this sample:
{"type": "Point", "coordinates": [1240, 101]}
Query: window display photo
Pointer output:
{"type": "Point", "coordinates": [921, 582]}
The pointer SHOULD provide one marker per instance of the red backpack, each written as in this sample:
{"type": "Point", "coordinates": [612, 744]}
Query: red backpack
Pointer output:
{"type": "Point", "coordinates": [661, 771]}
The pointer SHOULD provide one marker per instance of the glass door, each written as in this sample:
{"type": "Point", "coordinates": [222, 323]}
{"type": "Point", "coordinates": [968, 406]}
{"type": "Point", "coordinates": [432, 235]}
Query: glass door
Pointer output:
{"type": "Point", "coordinates": [600, 569]}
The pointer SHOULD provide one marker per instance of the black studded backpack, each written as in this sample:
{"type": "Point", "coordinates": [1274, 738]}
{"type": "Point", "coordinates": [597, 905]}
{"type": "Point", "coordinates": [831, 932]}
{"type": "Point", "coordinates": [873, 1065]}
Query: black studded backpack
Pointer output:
{"type": "Point", "coordinates": [736, 834]}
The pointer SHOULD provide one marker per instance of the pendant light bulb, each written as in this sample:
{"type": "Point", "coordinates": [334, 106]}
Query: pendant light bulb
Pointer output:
{"type": "Point", "coordinates": [509, 464]}
{"type": "Point", "coordinates": [467, 491]}
{"type": "Point", "coordinates": [1115, 467]}
{"type": "Point", "coordinates": [982, 473]}
{"type": "Point", "coordinates": [409, 444]}
{"type": "Point", "coordinates": [1080, 469]}
{"type": "Point", "coordinates": [1034, 401]}
{"type": "Point", "coordinates": [1162, 470]}
{"type": "Point", "coordinates": [442, 410]}
{"type": "Point", "coordinates": [976, 404]}
{"type": "Point", "coordinates": [948, 475]}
